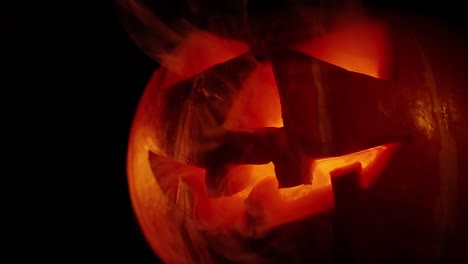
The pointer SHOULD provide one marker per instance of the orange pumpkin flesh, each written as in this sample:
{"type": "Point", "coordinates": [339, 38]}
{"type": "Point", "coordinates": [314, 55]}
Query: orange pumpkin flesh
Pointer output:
{"type": "Point", "coordinates": [187, 218]}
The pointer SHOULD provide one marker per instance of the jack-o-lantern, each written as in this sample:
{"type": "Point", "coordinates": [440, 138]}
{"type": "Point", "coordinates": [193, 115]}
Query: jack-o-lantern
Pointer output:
{"type": "Point", "coordinates": [292, 133]}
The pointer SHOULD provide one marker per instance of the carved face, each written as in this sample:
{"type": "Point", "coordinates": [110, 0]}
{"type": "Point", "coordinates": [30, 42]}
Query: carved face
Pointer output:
{"type": "Point", "coordinates": [264, 146]}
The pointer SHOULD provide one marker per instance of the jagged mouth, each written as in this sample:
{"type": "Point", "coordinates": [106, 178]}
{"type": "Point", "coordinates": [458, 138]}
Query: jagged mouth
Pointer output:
{"type": "Point", "coordinates": [255, 203]}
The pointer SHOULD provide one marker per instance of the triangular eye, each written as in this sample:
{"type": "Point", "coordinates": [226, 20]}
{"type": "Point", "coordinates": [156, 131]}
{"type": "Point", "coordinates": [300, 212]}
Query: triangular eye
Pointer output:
{"type": "Point", "coordinates": [257, 105]}
{"type": "Point", "coordinates": [364, 48]}
{"type": "Point", "coordinates": [201, 103]}
{"type": "Point", "coordinates": [199, 51]}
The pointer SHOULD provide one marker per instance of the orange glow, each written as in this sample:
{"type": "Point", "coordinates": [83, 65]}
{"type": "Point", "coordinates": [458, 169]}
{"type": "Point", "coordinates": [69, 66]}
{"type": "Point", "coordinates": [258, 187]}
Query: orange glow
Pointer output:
{"type": "Point", "coordinates": [367, 158]}
{"type": "Point", "coordinates": [253, 191]}
{"type": "Point", "coordinates": [363, 48]}
{"type": "Point", "coordinates": [242, 179]}
{"type": "Point", "coordinates": [198, 52]}
{"type": "Point", "coordinates": [283, 205]}
{"type": "Point", "coordinates": [258, 103]}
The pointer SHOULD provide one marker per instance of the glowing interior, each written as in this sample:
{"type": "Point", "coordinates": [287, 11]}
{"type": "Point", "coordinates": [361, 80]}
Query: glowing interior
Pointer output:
{"type": "Point", "coordinates": [254, 187]}
{"type": "Point", "coordinates": [198, 52]}
{"type": "Point", "coordinates": [258, 104]}
{"type": "Point", "coordinates": [362, 48]}
{"type": "Point", "coordinates": [257, 188]}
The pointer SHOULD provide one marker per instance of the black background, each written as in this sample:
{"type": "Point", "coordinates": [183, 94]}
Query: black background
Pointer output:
{"type": "Point", "coordinates": [75, 79]}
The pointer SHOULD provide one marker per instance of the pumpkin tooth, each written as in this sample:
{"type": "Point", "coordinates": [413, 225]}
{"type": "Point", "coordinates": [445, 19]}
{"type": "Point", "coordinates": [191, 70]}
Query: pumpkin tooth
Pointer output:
{"type": "Point", "coordinates": [268, 206]}
{"type": "Point", "coordinates": [374, 162]}
{"type": "Point", "coordinates": [346, 180]}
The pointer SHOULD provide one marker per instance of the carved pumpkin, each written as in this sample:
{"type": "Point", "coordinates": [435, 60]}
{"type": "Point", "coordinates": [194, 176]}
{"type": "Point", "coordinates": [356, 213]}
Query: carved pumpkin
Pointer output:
{"type": "Point", "coordinates": [296, 134]}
